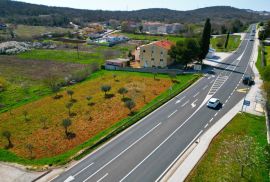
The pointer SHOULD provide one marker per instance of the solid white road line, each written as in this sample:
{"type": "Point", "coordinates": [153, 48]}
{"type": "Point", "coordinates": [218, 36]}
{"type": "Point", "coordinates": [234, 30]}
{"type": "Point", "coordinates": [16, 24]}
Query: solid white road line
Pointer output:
{"type": "Point", "coordinates": [83, 169]}
{"type": "Point", "coordinates": [172, 113]}
{"type": "Point", "coordinates": [196, 95]}
{"type": "Point", "coordinates": [185, 103]}
{"type": "Point", "coordinates": [179, 156]}
{"type": "Point", "coordinates": [102, 177]}
{"type": "Point", "coordinates": [53, 178]}
{"type": "Point", "coordinates": [121, 153]}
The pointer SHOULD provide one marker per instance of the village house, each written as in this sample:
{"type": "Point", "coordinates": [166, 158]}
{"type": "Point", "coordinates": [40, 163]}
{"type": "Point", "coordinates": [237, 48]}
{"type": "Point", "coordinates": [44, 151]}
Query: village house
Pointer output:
{"type": "Point", "coordinates": [161, 28]}
{"type": "Point", "coordinates": [155, 54]}
{"type": "Point", "coordinates": [114, 63]}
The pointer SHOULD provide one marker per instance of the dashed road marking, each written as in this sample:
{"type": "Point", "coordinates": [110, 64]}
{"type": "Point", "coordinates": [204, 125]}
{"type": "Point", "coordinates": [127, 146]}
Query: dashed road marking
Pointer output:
{"type": "Point", "coordinates": [185, 103]}
{"type": "Point", "coordinates": [172, 113]}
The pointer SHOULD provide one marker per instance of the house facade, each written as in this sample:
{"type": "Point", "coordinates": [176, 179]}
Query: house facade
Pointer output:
{"type": "Point", "coordinates": [155, 54]}
{"type": "Point", "coordinates": [161, 28]}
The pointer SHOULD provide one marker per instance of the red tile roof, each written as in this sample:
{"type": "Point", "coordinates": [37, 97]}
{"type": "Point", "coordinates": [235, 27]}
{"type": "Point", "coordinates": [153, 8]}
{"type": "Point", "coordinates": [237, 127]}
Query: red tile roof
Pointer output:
{"type": "Point", "coordinates": [164, 44]}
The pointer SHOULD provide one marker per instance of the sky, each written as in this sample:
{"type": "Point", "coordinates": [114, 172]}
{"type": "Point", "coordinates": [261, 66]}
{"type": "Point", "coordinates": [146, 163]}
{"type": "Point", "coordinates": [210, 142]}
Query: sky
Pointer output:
{"type": "Point", "coordinates": [257, 5]}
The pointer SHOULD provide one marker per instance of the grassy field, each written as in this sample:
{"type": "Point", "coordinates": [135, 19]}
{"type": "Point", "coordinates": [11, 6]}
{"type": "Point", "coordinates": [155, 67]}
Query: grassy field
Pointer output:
{"type": "Point", "coordinates": [89, 121]}
{"type": "Point", "coordinates": [218, 43]}
{"type": "Point", "coordinates": [212, 168]}
{"type": "Point", "coordinates": [62, 56]}
{"type": "Point", "coordinates": [25, 79]}
{"type": "Point", "coordinates": [172, 38]}
{"type": "Point", "coordinates": [88, 54]}
{"type": "Point", "coordinates": [28, 32]}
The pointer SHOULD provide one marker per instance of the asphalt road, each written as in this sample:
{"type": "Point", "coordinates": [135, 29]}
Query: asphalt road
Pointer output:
{"type": "Point", "coordinates": [145, 151]}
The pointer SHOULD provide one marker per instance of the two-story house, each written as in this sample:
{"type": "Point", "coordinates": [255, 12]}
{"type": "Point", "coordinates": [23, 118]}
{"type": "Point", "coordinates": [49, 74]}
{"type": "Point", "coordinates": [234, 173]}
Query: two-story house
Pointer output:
{"type": "Point", "coordinates": [155, 54]}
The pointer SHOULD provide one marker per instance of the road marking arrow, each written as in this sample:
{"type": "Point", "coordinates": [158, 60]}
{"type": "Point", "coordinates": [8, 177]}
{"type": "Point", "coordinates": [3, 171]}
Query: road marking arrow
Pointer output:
{"type": "Point", "coordinates": [194, 104]}
{"type": "Point", "coordinates": [242, 90]}
{"type": "Point", "coordinates": [70, 178]}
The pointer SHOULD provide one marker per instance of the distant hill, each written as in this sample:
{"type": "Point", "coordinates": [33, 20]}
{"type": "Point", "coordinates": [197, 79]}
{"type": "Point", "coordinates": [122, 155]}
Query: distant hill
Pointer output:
{"type": "Point", "coordinates": [25, 13]}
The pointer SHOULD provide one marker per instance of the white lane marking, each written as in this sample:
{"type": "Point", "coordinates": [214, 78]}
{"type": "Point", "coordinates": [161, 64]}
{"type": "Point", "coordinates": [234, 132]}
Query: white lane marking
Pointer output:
{"type": "Point", "coordinates": [53, 178]}
{"type": "Point", "coordinates": [205, 87]}
{"type": "Point", "coordinates": [69, 179]}
{"type": "Point", "coordinates": [194, 103]}
{"type": "Point", "coordinates": [196, 95]}
{"type": "Point", "coordinates": [209, 78]}
{"type": "Point", "coordinates": [212, 81]}
{"type": "Point", "coordinates": [102, 177]}
{"type": "Point", "coordinates": [211, 120]}
{"type": "Point", "coordinates": [216, 114]}
{"type": "Point", "coordinates": [185, 103]}
{"type": "Point", "coordinates": [226, 101]}
{"type": "Point", "coordinates": [172, 113]}
{"type": "Point", "coordinates": [121, 153]}
{"type": "Point", "coordinates": [206, 126]}
{"type": "Point", "coordinates": [169, 167]}
{"type": "Point", "coordinates": [178, 101]}
{"type": "Point", "coordinates": [231, 94]}
{"type": "Point", "coordinates": [83, 169]}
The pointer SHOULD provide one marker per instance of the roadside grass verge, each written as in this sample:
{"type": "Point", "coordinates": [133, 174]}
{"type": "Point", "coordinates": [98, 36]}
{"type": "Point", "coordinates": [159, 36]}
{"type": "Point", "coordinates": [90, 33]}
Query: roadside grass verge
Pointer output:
{"type": "Point", "coordinates": [218, 43]}
{"type": "Point", "coordinates": [267, 55]}
{"type": "Point", "coordinates": [35, 135]}
{"type": "Point", "coordinates": [213, 168]}
{"type": "Point", "coordinates": [259, 64]}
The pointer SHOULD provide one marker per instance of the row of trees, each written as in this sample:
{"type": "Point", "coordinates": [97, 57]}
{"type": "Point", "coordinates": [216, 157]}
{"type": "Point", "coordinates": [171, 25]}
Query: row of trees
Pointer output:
{"type": "Point", "coordinates": [191, 49]}
{"type": "Point", "coordinates": [233, 26]}
{"type": "Point", "coordinates": [265, 32]}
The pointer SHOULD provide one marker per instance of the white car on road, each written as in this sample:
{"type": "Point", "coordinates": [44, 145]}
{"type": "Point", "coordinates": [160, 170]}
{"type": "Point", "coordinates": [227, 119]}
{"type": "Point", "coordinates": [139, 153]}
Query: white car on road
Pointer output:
{"type": "Point", "coordinates": [213, 103]}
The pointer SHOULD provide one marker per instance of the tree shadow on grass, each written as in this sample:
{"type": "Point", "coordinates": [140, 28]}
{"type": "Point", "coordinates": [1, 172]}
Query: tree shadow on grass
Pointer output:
{"type": "Point", "coordinates": [176, 81]}
{"type": "Point", "coordinates": [109, 96]}
{"type": "Point", "coordinates": [125, 99]}
{"type": "Point", "coordinates": [91, 104]}
{"type": "Point", "coordinates": [56, 97]}
{"type": "Point", "coordinates": [73, 114]}
{"type": "Point", "coordinates": [9, 146]}
{"type": "Point", "coordinates": [71, 135]}
{"type": "Point", "coordinates": [73, 100]}
{"type": "Point", "coordinates": [132, 113]}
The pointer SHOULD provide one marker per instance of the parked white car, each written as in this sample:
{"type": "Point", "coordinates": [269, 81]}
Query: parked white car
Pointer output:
{"type": "Point", "coordinates": [213, 103]}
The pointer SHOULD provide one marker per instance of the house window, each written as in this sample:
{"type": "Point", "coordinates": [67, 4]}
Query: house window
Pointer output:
{"type": "Point", "coordinates": [161, 63]}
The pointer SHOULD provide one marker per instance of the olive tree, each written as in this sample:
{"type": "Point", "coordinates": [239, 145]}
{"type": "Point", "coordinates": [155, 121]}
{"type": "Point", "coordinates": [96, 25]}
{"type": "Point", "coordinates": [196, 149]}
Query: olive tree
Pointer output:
{"type": "Point", "coordinates": [70, 93]}
{"type": "Point", "coordinates": [105, 89]}
{"type": "Point", "coordinates": [130, 104]}
{"type": "Point", "coordinates": [7, 135]}
{"type": "Point", "coordinates": [123, 91]}
{"type": "Point", "coordinates": [66, 123]}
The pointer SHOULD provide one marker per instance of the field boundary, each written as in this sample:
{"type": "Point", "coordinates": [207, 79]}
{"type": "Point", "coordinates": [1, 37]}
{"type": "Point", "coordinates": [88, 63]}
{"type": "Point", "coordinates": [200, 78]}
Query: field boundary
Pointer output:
{"type": "Point", "coordinates": [90, 145]}
{"type": "Point", "coordinates": [134, 119]}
